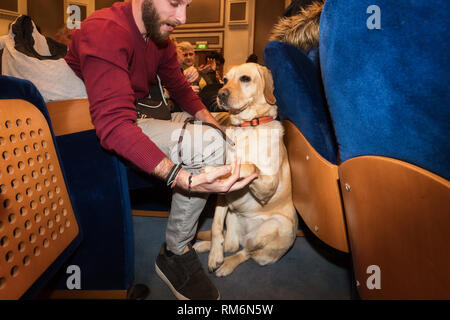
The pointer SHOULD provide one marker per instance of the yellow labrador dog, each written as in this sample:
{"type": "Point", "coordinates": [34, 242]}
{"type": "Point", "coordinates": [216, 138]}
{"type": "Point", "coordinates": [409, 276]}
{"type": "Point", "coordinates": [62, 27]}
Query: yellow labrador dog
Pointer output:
{"type": "Point", "coordinates": [260, 218]}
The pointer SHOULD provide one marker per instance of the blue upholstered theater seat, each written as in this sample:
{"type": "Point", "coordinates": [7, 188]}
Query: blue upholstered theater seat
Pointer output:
{"type": "Point", "coordinates": [99, 188]}
{"type": "Point", "coordinates": [299, 93]}
{"type": "Point", "coordinates": [387, 95]}
{"type": "Point", "coordinates": [310, 140]}
{"type": "Point", "coordinates": [147, 193]}
{"type": "Point", "coordinates": [387, 91]}
{"type": "Point", "coordinates": [15, 88]}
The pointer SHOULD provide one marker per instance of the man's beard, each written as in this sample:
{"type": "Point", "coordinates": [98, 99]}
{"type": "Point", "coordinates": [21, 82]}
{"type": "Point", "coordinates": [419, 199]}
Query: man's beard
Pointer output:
{"type": "Point", "coordinates": [152, 22]}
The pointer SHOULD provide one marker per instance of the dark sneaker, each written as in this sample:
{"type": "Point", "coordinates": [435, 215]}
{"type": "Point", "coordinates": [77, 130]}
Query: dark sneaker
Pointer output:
{"type": "Point", "coordinates": [185, 276]}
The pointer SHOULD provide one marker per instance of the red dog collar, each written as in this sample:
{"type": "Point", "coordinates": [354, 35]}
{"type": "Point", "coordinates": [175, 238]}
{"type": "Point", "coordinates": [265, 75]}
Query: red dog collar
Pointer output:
{"type": "Point", "coordinates": [255, 122]}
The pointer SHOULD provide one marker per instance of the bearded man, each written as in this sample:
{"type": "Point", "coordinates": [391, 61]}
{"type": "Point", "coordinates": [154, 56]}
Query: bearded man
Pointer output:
{"type": "Point", "coordinates": [117, 52]}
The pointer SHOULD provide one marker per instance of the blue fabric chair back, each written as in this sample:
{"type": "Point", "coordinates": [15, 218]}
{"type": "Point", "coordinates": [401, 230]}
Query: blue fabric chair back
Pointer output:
{"type": "Point", "coordinates": [299, 94]}
{"type": "Point", "coordinates": [387, 88]}
{"type": "Point", "coordinates": [15, 88]}
{"type": "Point", "coordinates": [99, 185]}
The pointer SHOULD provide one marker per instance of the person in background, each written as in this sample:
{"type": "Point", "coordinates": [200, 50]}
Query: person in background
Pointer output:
{"type": "Point", "coordinates": [117, 53]}
{"type": "Point", "coordinates": [186, 55]}
{"type": "Point", "coordinates": [212, 71]}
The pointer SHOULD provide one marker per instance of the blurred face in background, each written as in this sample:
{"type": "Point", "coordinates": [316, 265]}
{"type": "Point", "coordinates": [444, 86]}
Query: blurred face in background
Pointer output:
{"type": "Point", "coordinates": [188, 57]}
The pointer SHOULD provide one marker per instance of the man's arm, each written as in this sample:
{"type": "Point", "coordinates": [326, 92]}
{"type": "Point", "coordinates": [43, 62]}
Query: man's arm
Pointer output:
{"type": "Point", "coordinates": [104, 66]}
{"type": "Point", "coordinates": [206, 182]}
{"type": "Point", "coordinates": [163, 168]}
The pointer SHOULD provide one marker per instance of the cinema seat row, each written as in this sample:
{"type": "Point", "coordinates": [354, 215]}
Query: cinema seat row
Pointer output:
{"type": "Point", "coordinates": [367, 122]}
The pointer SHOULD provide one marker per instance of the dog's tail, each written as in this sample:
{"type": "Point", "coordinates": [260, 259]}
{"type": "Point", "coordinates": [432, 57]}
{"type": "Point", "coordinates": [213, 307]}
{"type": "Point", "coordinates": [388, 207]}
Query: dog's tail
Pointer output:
{"type": "Point", "coordinates": [300, 30]}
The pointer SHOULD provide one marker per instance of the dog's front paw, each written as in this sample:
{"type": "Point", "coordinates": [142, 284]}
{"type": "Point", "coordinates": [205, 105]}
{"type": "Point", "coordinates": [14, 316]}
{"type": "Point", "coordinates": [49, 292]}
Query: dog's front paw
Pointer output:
{"type": "Point", "coordinates": [208, 169]}
{"type": "Point", "coordinates": [247, 169]}
{"type": "Point", "coordinates": [215, 259]}
{"type": "Point", "coordinates": [225, 269]}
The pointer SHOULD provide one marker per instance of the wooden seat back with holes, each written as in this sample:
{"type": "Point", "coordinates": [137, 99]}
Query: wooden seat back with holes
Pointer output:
{"type": "Point", "coordinates": [37, 222]}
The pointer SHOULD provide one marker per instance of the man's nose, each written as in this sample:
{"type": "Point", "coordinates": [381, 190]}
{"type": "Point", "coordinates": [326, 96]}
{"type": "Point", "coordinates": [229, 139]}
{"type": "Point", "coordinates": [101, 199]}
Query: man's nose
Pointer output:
{"type": "Point", "coordinates": [181, 14]}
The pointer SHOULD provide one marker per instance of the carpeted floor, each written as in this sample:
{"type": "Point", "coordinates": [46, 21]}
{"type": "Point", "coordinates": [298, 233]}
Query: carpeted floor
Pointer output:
{"type": "Point", "coordinates": [310, 270]}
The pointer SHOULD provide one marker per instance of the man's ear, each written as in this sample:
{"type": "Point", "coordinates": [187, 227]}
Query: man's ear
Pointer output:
{"type": "Point", "coordinates": [266, 75]}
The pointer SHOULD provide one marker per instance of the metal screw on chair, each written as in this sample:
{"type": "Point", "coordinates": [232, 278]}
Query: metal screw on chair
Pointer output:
{"type": "Point", "coordinates": [347, 187]}
{"type": "Point", "coordinates": [307, 158]}
{"type": "Point", "coordinates": [316, 228]}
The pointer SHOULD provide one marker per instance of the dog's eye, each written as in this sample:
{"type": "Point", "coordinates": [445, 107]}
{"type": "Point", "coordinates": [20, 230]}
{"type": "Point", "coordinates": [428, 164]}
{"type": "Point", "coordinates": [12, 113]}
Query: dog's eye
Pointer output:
{"type": "Point", "coordinates": [225, 80]}
{"type": "Point", "coordinates": [245, 79]}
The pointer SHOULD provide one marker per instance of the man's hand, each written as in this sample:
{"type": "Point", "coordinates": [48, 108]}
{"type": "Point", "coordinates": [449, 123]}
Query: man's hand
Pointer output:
{"type": "Point", "coordinates": [207, 182]}
{"type": "Point", "coordinates": [212, 182]}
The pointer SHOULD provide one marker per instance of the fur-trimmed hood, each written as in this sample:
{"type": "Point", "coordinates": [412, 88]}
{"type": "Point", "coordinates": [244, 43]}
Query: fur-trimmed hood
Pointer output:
{"type": "Point", "coordinates": [300, 30]}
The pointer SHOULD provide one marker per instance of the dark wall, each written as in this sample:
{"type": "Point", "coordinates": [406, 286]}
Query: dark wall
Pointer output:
{"type": "Point", "coordinates": [11, 5]}
{"type": "Point", "coordinates": [267, 13]}
{"type": "Point", "coordinates": [296, 5]}
{"type": "Point", "coordinates": [100, 4]}
{"type": "Point", "coordinates": [47, 14]}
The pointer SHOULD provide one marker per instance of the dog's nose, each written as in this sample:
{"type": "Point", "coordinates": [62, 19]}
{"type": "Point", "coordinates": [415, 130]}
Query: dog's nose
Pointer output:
{"type": "Point", "coordinates": [223, 95]}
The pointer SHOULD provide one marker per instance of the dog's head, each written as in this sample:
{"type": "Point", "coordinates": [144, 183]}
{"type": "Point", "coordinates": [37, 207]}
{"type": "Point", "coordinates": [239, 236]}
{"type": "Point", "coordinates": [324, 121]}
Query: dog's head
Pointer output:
{"type": "Point", "coordinates": [248, 92]}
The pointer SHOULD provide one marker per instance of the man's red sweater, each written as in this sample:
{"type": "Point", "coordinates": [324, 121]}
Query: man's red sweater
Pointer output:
{"type": "Point", "coordinates": [117, 66]}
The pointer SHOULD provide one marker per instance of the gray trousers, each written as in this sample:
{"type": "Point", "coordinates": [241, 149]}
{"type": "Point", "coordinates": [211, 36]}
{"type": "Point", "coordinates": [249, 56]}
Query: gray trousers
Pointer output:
{"type": "Point", "coordinates": [201, 145]}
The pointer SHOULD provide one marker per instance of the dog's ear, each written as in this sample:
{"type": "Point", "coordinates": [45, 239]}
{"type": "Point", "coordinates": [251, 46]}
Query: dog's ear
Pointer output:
{"type": "Point", "coordinates": [266, 75]}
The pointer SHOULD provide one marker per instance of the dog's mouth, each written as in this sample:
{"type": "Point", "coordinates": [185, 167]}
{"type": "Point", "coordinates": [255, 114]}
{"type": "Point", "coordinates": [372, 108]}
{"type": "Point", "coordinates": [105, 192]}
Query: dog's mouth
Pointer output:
{"type": "Point", "coordinates": [232, 110]}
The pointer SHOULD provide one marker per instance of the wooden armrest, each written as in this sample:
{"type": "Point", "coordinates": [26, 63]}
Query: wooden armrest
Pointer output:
{"type": "Point", "coordinates": [70, 116]}
{"type": "Point", "coordinates": [315, 192]}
